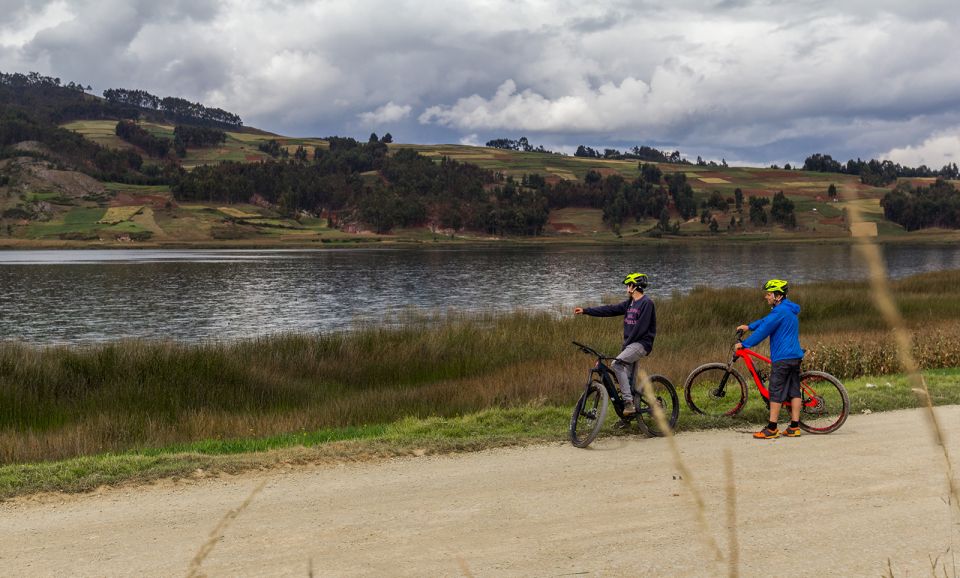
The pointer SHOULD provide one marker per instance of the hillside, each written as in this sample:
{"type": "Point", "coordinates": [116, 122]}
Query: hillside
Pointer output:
{"type": "Point", "coordinates": [79, 183]}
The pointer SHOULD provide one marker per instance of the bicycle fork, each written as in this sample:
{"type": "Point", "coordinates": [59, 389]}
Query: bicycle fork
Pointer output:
{"type": "Point", "coordinates": [721, 390]}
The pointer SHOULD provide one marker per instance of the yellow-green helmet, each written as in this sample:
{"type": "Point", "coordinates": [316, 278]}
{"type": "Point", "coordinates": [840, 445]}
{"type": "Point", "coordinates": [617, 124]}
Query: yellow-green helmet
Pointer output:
{"type": "Point", "coordinates": [636, 279]}
{"type": "Point", "coordinates": [776, 286]}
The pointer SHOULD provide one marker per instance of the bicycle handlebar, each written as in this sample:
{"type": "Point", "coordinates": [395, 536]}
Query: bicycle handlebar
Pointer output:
{"type": "Point", "coordinates": [739, 334]}
{"type": "Point", "coordinates": [589, 350]}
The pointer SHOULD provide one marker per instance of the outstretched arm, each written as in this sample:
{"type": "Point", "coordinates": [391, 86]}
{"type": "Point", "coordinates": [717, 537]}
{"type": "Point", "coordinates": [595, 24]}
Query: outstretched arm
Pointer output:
{"type": "Point", "coordinates": [605, 310]}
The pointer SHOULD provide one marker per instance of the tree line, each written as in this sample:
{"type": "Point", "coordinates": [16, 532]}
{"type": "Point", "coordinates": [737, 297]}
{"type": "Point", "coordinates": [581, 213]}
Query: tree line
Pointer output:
{"type": "Point", "coordinates": [521, 144]}
{"type": "Point", "coordinates": [937, 205]}
{"type": "Point", "coordinates": [46, 99]}
{"type": "Point", "coordinates": [176, 109]}
{"type": "Point", "coordinates": [876, 173]}
{"type": "Point", "coordinates": [160, 147]}
{"type": "Point", "coordinates": [643, 153]}
{"type": "Point", "coordinates": [409, 189]}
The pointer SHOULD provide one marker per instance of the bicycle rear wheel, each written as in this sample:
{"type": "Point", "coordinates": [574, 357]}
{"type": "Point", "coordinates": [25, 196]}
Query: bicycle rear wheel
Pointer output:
{"type": "Point", "coordinates": [589, 415]}
{"type": "Point", "coordinates": [825, 402]}
{"type": "Point", "coordinates": [665, 395]}
{"type": "Point", "coordinates": [714, 390]}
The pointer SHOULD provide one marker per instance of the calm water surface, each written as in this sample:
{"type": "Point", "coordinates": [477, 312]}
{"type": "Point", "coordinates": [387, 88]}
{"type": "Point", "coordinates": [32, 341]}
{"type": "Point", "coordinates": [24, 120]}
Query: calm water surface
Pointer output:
{"type": "Point", "coordinates": [89, 296]}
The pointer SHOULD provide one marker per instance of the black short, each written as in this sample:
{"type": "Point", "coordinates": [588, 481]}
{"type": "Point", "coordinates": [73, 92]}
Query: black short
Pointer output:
{"type": "Point", "coordinates": [785, 380]}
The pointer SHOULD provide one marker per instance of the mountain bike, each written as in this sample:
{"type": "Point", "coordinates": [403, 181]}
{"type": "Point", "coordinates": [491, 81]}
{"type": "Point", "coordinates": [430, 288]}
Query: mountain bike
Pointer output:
{"type": "Point", "coordinates": [718, 389]}
{"type": "Point", "coordinates": [591, 409]}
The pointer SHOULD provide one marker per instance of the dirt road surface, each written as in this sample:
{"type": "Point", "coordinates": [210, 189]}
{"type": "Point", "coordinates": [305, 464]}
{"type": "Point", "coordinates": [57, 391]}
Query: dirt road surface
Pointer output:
{"type": "Point", "coordinates": [868, 498]}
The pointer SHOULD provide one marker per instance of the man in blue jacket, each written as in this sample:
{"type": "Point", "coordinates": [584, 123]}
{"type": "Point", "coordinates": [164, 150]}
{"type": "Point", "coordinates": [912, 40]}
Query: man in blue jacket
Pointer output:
{"type": "Point", "coordinates": [783, 327]}
{"type": "Point", "coordinates": [639, 331]}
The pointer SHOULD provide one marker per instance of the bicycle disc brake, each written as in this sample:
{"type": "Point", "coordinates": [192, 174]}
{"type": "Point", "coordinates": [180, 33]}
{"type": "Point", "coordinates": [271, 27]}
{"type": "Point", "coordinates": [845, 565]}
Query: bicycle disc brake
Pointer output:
{"type": "Point", "coordinates": [818, 407]}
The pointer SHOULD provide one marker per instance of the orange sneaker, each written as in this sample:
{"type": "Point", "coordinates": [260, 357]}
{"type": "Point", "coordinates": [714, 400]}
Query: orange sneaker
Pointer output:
{"type": "Point", "coordinates": [767, 434]}
{"type": "Point", "coordinates": [791, 432]}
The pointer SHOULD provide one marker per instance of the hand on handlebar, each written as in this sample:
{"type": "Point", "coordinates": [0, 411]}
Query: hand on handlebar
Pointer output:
{"type": "Point", "coordinates": [741, 329]}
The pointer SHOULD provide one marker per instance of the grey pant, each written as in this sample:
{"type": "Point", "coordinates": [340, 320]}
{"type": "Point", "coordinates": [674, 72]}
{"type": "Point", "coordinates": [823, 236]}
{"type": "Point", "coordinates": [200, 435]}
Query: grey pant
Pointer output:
{"type": "Point", "coordinates": [624, 365]}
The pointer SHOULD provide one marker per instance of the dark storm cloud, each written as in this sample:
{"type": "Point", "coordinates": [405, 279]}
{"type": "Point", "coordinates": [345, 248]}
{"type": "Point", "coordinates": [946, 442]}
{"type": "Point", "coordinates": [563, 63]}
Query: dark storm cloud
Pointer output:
{"type": "Point", "coordinates": [133, 44]}
{"type": "Point", "coordinates": [752, 80]}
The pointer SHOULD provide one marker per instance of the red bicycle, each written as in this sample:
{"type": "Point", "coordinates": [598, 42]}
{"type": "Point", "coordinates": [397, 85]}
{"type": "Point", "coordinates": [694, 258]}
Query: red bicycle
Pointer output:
{"type": "Point", "coordinates": [718, 389]}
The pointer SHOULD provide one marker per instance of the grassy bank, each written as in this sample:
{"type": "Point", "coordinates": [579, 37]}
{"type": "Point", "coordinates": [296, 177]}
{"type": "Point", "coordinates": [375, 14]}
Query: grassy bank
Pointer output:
{"type": "Point", "coordinates": [407, 437]}
{"type": "Point", "coordinates": [63, 402]}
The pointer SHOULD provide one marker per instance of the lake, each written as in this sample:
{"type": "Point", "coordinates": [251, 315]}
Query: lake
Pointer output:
{"type": "Point", "coordinates": [85, 296]}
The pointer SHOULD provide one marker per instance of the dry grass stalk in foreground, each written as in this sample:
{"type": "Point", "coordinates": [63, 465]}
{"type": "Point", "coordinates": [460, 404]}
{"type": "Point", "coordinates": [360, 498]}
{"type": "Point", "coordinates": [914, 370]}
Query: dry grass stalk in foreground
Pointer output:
{"type": "Point", "coordinates": [699, 507]}
{"type": "Point", "coordinates": [733, 558]}
{"type": "Point", "coordinates": [218, 532]}
{"type": "Point", "coordinates": [883, 298]}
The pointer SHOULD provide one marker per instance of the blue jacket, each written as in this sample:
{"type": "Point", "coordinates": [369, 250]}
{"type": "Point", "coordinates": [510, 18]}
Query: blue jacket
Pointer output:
{"type": "Point", "coordinates": [782, 325]}
{"type": "Point", "coordinates": [639, 320]}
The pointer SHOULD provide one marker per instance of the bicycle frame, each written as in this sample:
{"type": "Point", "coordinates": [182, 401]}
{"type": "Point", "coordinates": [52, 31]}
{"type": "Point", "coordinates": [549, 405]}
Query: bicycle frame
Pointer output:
{"type": "Point", "coordinates": [606, 376]}
{"type": "Point", "coordinates": [807, 393]}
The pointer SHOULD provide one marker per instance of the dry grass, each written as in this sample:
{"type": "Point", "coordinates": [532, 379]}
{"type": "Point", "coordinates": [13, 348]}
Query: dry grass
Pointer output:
{"type": "Point", "coordinates": [237, 213]}
{"type": "Point", "coordinates": [883, 296]}
{"type": "Point", "coordinates": [116, 215]}
{"type": "Point", "coordinates": [60, 402]}
{"type": "Point", "coordinates": [218, 531]}
{"type": "Point", "coordinates": [699, 507]}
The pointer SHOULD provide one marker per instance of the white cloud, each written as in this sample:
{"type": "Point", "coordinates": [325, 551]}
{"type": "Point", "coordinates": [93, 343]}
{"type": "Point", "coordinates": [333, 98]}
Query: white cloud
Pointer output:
{"type": "Point", "coordinates": [471, 139]}
{"type": "Point", "coordinates": [738, 79]}
{"type": "Point", "coordinates": [23, 24]}
{"type": "Point", "coordinates": [935, 152]}
{"type": "Point", "coordinates": [387, 113]}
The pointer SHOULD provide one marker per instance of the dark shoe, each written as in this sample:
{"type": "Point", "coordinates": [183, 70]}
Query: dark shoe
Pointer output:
{"type": "Point", "coordinates": [629, 409]}
{"type": "Point", "coordinates": [791, 432]}
{"type": "Point", "coordinates": [767, 434]}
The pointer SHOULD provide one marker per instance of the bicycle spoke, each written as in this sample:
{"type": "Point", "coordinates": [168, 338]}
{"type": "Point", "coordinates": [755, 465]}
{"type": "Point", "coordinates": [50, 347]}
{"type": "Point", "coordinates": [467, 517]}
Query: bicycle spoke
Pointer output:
{"type": "Point", "coordinates": [824, 402]}
{"type": "Point", "coordinates": [714, 390]}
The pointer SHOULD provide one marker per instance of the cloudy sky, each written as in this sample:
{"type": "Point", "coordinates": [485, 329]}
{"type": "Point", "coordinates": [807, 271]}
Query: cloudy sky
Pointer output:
{"type": "Point", "coordinates": [751, 81]}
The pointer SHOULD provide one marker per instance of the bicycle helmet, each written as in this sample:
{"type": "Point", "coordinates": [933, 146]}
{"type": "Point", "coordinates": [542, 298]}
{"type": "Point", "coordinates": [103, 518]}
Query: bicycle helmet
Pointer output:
{"type": "Point", "coordinates": [636, 279]}
{"type": "Point", "coordinates": [776, 286]}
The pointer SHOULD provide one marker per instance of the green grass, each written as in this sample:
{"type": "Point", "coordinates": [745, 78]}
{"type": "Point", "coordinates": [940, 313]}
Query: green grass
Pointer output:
{"type": "Point", "coordinates": [494, 427]}
{"type": "Point", "coordinates": [138, 189]}
{"type": "Point", "coordinates": [79, 220]}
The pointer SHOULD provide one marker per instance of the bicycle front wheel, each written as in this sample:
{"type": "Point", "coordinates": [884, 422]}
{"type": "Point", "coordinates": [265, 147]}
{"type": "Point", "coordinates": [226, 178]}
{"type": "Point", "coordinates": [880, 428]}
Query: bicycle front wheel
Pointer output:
{"type": "Point", "coordinates": [713, 389]}
{"type": "Point", "coordinates": [589, 415]}
{"type": "Point", "coordinates": [665, 396]}
{"type": "Point", "coordinates": [825, 402]}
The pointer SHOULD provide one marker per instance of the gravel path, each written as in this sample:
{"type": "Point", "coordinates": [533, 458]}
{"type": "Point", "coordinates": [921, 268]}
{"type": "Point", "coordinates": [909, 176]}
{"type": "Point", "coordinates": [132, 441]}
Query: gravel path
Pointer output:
{"type": "Point", "coordinates": [837, 505]}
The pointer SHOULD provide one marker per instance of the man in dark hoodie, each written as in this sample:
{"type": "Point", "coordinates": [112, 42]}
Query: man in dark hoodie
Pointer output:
{"type": "Point", "coordinates": [639, 331]}
{"type": "Point", "coordinates": [783, 327]}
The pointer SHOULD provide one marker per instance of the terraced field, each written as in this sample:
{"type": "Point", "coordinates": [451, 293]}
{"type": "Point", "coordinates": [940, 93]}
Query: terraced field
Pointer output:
{"type": "Point", "coordinates": [818, 216]}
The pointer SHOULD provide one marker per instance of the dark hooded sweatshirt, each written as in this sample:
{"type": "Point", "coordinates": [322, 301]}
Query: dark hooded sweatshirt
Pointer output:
{"type": "Point", "coordinates": [639, 320]}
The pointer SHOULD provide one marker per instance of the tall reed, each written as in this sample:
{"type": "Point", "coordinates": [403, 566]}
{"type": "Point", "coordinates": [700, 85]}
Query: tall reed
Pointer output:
{"type": "Point", "coordinates": [58, 402]}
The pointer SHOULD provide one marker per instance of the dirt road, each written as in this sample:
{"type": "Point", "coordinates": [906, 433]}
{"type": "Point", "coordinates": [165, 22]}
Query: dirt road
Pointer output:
{"type": "Point", "coordinates": [836, 505]}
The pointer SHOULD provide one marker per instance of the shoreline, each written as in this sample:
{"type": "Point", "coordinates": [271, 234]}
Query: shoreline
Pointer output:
{"type": "Point", "coordinates": [931, 238]}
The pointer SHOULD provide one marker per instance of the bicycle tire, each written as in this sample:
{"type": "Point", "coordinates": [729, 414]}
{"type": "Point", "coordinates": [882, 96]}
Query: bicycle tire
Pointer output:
{"type": "Point", "coordinates": [666, 395]}
{"type": "Point", "coordinates": [701, 395]}
{"type": "Point", "coordinates": [832, 403]}
{"type": "Point", "coordinates": [588, 415]}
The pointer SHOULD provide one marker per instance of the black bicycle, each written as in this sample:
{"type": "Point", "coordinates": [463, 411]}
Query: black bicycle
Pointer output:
{"type": "Point", "coordinates": [591, 409]}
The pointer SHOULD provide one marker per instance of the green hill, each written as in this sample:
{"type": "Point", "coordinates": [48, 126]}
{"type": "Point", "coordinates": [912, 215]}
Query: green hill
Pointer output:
{"type": "Point", "coordinates": [74, 181]}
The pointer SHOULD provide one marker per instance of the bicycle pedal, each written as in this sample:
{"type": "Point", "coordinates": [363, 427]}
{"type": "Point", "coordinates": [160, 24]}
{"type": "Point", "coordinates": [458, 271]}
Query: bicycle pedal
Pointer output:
{"type": "Point", "coordinates": [622, 424]}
